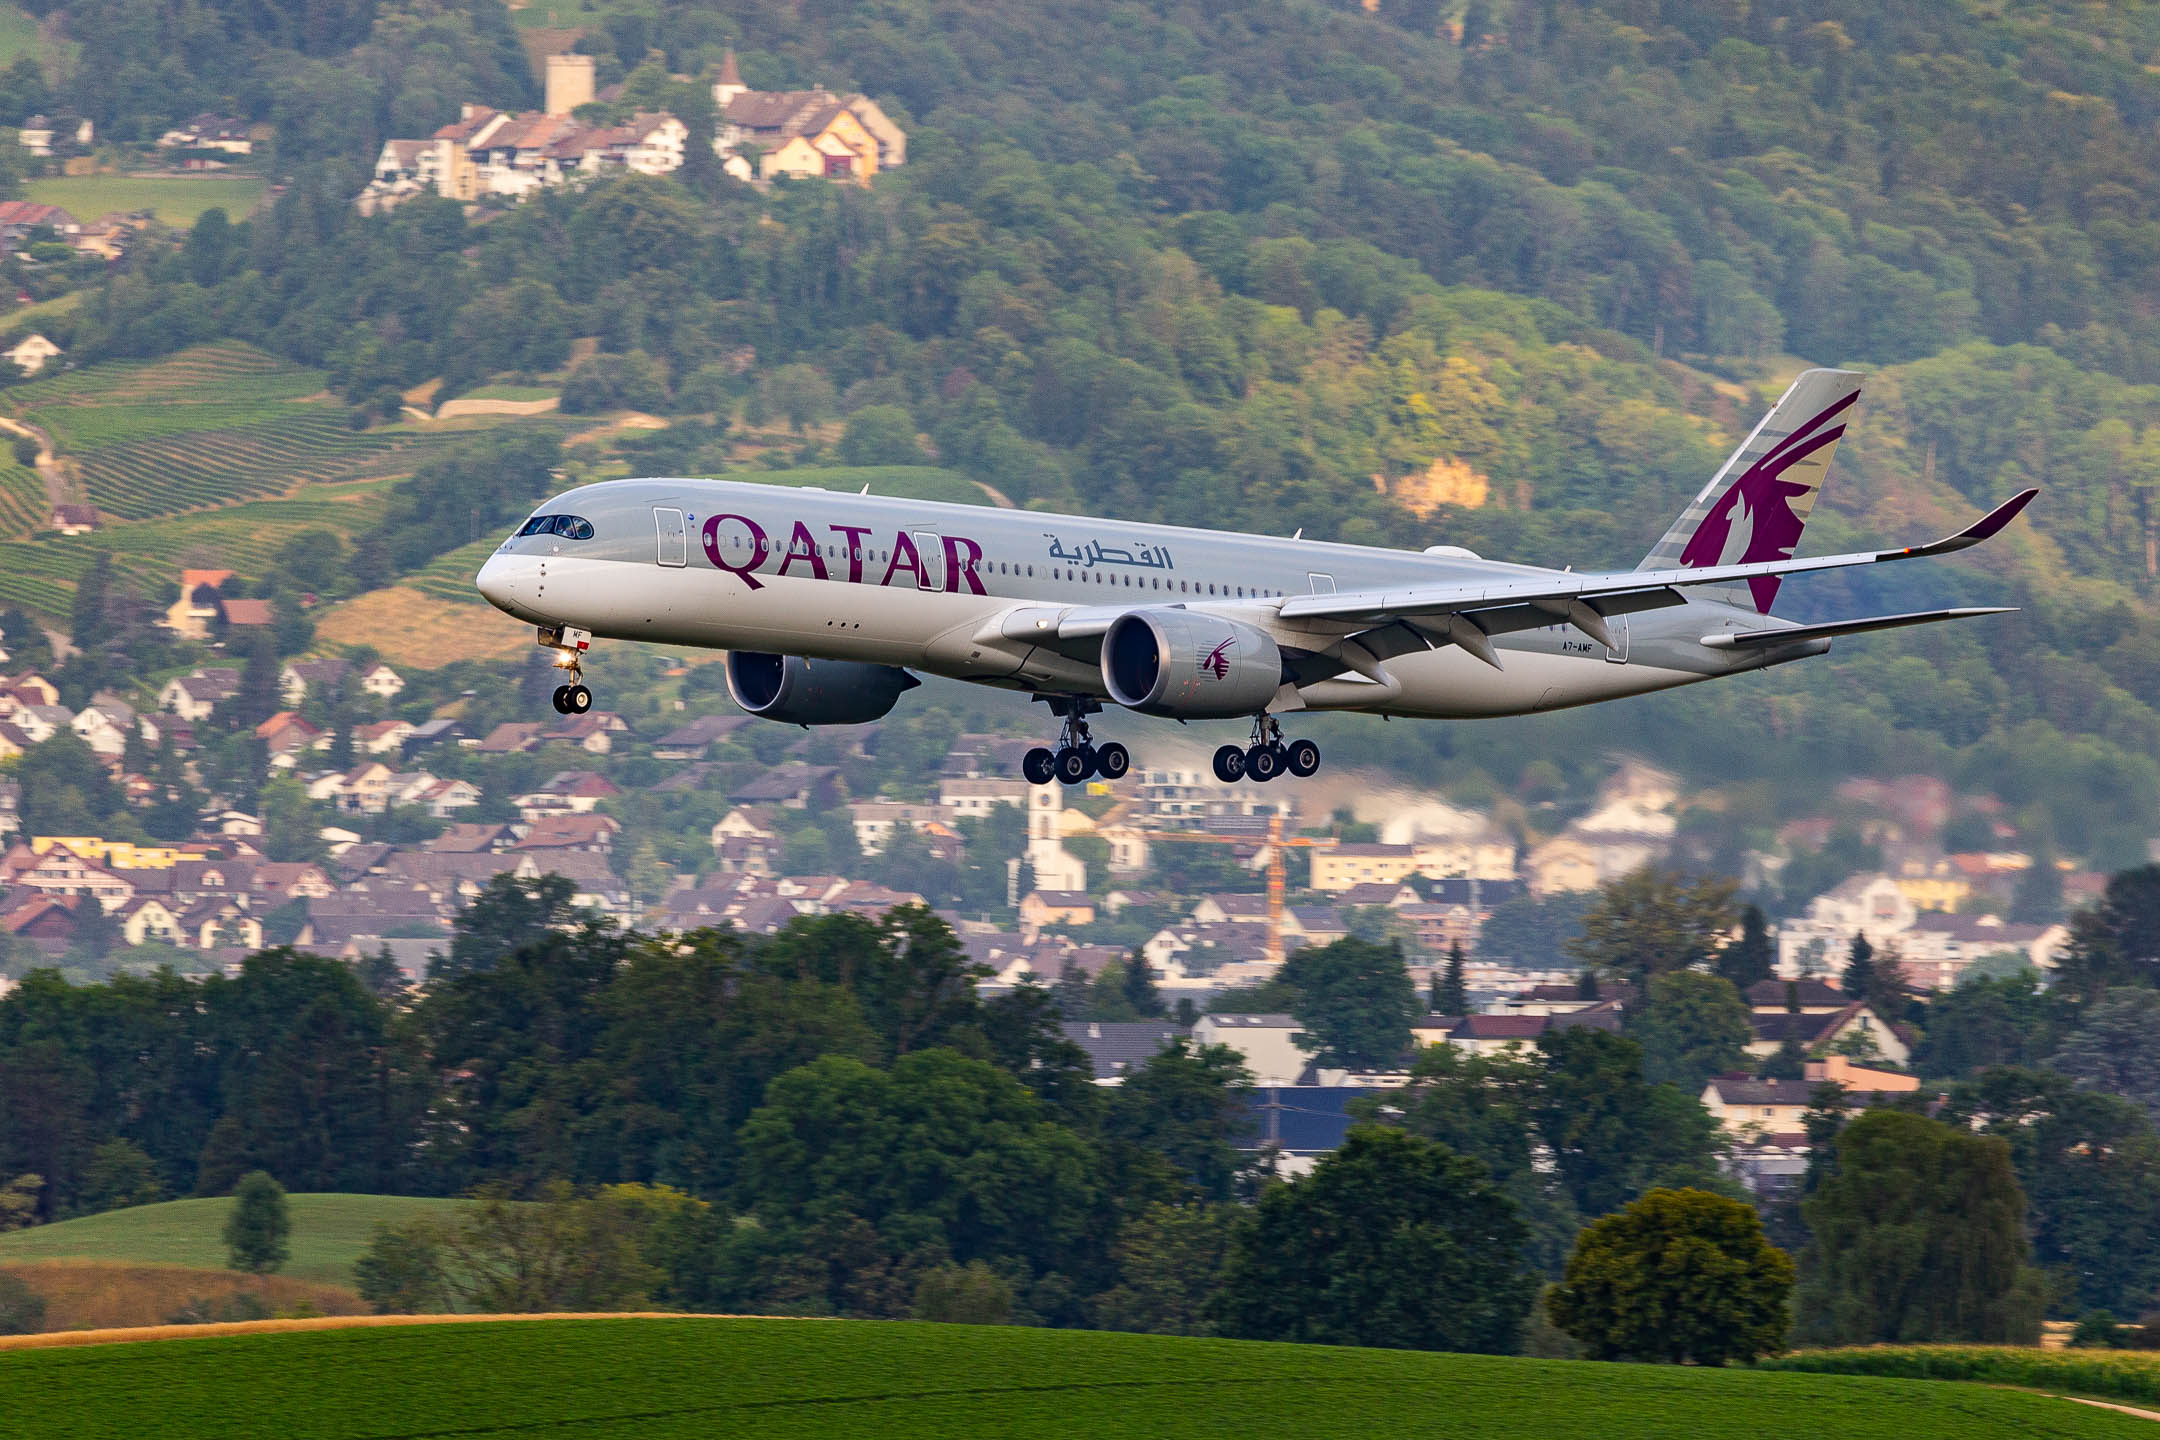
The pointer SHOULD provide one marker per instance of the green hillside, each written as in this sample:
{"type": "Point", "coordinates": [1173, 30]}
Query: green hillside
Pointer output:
{"type": "Point", "coordinates": [747, 1378]}
{"type": "Point", "coordinates": [328, 1233]}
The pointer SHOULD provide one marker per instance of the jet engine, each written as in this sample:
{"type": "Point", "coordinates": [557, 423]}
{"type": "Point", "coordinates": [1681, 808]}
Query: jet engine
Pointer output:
{"type": "Point", "coordinates": [1189, 666]}
{"type": "Point", "coordinates": [796, 691]}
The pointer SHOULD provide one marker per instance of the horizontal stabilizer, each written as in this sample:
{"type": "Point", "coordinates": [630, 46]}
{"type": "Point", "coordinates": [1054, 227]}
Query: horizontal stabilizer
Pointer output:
{"type": "Point", "coordinates": [1792, 633]}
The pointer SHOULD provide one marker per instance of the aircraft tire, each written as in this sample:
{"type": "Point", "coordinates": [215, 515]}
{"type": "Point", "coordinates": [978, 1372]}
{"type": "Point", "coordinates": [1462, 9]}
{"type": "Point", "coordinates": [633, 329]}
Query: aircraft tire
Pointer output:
{"type": "Point", "coordinates": [1262, 764]}
{"type": "Point", "coordinates": [1112, 761]}
{"type": "Point", "coordinates": [1039, 766]}
{"type": "Point", "coordinates": [579, 699]}
{"type": "Point", "coordinates": [1075, 764]}
{"type": "Point", "coordinates": [1302, 758]}
{"type": "Point", "coordinates": [1229, 764]}
{"type": "Point", "coordinates": [562, 699]}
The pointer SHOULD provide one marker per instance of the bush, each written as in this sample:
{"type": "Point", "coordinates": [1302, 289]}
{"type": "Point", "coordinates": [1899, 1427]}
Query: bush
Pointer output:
{"type": "Point", "coordinates": [26, 450]}
{"type": "Point", "coordinates": [970, 1295]}
{"type": "Point", "coordinates": [22, 1310]}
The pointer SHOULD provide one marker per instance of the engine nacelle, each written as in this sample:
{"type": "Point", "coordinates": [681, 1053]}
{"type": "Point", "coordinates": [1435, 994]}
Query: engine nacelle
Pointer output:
{"type": "Point", "coordinates": [1189, 666]}
{"type": "Point", "coordinates": [796, 691]}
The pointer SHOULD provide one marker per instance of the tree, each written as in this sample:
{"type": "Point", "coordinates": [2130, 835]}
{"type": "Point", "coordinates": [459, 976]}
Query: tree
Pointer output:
{"type": "Point", "coordinates": [1611, 1134]}
{"type": "Point", "coordinates": [1654, 921]}
{"type": "Point", "coordinates": [971, 1294]}
{"type": "Point", "coordinates": [1694, 1026]}
{"type": "Point", "coordinates": [1449, 995]}
{"type": "Point", "coordinates": [1355, 1000]}
{"type": "Point", "coordinates": [1393, 1241]}
{"type": "Point", "coordinates": [880, 435]}
{"type": "Point", "coordinates": [1169, 1262]}
{"type": "Point", "coordinates": [2117, 943]}
{"type": "Point", "coordinates": [19, 1202]}
{"type": "Point", "coordinates": [259, 1228]}
{"type": "Point", "coordinates": [1918, 1235]}
{"type": "Point", "coordinates": [119, 1175]}
{"type": "Point", "coordinates": [1752, 957]}
{"type": "Point", "coordinates": [2117, 1048]}
{"type": "Point", "coordinates": [22, 1309]}
{"type": "Point", "coordinates": [508, 916]}
{"type": "Point", "coordinates": [259, 694]}
{"type": "Point", "coordinates": [404, 1270]}
{"type": "Point", "coordinates": [1877, 982]}
{"type": "Point", "coordinates": [1681, 1276]}
{"type": "Point", "coordinates": [1189, 1105]}
{"type": "Point", "coordinates": [1137, 985]}
{"type": "Point", "coordinates": [2090, 1167]}
{"type": "Point", "coordinates": [1984, 1022]}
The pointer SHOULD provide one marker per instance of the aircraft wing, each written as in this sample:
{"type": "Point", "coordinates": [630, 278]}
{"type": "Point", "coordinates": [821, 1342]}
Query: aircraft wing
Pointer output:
{"type": "Point", "coordinates": [1468, 611]}
{"type": "Point", "coordinates": [1757, 639]}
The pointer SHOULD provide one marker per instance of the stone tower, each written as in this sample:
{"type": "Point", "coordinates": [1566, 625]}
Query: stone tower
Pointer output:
{"type": "Point", "coordinates": [569, 83]}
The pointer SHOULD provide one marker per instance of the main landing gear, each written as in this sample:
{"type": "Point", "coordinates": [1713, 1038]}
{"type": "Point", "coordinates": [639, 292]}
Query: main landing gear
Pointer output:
{"type": "Point", "coordinates": [1077, 757]}
{"type": "Point", "coordinates": [1267, 756]}
{"type": "Point", "coordinates": [570, 645]}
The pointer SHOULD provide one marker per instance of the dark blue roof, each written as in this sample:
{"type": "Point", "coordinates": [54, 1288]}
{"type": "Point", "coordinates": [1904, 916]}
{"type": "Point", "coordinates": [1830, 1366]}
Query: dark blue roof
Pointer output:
{"type": "Point", "coordinates": [1303, 1119]}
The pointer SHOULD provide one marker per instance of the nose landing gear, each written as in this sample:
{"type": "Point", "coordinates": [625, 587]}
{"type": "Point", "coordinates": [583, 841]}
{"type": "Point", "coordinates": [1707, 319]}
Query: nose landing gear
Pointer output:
{"type": "Point", "coordinates": [1077, 757]}
{"type": "Point", "coordinates": [570, 645]}
{"type": "Point", "coordinates": [1266, 756]}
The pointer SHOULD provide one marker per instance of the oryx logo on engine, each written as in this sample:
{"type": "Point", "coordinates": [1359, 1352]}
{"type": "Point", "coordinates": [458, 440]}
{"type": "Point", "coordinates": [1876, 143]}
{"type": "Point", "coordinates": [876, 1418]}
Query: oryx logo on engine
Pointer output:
{"type": "Point", "coordinates": [1217, 661]}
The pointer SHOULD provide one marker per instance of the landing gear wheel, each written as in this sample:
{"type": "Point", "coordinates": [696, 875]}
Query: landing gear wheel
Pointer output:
{"type": "Point", "coordinates": [562, 699]}
{"type": "Point", "coordinates": [1039, 766]}
{"type": "Point", "coordinates": [1262, 763]}
{"type": "Point", "coordinates": [1303, 758]}
{"type": "Point", "coordinates": [1229, 764]}
{"type": "Point", "coordinates": [1075, 763]}
{"type": "Point", "coordinates": [579, 699]}
{"type": "Point", "coordinates": [1112, 761]}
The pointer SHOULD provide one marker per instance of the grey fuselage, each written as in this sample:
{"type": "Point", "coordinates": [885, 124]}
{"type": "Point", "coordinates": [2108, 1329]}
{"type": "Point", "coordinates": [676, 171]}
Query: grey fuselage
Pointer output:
{"type": "Point", "coordinates": [978, 594]}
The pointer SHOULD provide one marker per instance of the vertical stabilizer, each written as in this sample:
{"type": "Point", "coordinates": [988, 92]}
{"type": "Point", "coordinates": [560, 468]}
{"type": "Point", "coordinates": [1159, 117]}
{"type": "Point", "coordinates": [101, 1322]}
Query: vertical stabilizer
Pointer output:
{"type": "Point", "coordinates": [1757, 504]}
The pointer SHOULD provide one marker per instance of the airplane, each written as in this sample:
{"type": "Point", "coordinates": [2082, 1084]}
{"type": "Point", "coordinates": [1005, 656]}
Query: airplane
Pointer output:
{"type": "Point", "coordinates": [828, 603]}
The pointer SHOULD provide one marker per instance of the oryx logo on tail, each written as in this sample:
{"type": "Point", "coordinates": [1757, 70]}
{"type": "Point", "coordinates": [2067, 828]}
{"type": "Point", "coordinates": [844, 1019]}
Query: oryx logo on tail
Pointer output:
{"type": "Point", "coordinates": [1217, 661]}
{"type": "Point", "coordinates": [1757, 505]}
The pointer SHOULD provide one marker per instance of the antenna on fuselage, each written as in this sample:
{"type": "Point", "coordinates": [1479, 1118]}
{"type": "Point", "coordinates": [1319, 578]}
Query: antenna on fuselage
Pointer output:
{"type": "Point", "coordinates": [1300, 533]}
{"type": "Point", "coordinates": [865, 487]}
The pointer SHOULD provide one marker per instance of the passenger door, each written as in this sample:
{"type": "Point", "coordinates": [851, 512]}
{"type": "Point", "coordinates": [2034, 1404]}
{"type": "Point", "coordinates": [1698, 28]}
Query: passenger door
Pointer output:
{"type": "Point", "coordinates": [674, 540]}
{"type": "Point", "coordinates": [930, 550]}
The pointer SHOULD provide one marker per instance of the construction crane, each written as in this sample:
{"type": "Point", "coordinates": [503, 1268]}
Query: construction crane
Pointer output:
{"type": "Point", "coordinates": [1268, 857]}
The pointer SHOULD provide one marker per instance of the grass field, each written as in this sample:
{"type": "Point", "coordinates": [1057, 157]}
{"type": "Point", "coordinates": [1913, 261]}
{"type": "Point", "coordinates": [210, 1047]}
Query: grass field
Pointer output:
{"type": "Point", "coordinates": [329, 1232]}
{"type": "Point", "coordinates": [2132, 1375]}
{"type": "Point", "coordinates": [758, 1378]}
{"type": "Point", "coordinates": [418, 629]}
{"type": "Point", "coordinates": [178, 200]}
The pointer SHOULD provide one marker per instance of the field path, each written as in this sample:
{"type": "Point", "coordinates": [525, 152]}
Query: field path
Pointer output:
{"type": "Point", "coordinates": [59, 488]}
{"type": "Point", "coordinates": [451, 409]}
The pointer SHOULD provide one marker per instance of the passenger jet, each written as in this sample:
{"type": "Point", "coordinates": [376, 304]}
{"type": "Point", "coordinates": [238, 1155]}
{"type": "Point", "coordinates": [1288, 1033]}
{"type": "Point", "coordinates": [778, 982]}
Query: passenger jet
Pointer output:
{"type": "Point", "coordinates": [828, 603]}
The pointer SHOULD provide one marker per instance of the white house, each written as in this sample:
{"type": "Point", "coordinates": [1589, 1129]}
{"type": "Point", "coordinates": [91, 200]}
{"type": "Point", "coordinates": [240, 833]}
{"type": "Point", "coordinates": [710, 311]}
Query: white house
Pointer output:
{"type": "Point", "coordinates": [1872, 904]}
{"type": "Point", "coordinates": [1266, 1042]}
{"type": "Point", "coordinates": [31, 352]}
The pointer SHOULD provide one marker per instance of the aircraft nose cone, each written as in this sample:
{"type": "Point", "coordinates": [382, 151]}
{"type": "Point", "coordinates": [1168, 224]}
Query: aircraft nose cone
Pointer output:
{"type": "Point", "coordinates": [499, 580]}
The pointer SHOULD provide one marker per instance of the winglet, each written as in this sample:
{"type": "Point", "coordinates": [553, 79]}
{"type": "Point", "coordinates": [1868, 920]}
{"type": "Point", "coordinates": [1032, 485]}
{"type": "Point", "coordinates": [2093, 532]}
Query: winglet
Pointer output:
{"type": "Point", "coordinates": [1987, 527]}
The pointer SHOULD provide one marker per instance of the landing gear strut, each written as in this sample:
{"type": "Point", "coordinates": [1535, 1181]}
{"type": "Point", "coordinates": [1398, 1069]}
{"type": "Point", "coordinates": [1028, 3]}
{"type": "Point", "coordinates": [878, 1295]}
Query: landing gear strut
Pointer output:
{"type": "Point", "coordinates": [569, 645]}
{"type": "Point", "coordinates": [1266, 755]}
{"type": "Point", "coordinates": [1077, 757]}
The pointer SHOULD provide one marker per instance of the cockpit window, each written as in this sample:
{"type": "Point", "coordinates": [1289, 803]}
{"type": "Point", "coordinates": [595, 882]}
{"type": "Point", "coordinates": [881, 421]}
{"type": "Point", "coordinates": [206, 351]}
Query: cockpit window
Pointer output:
{"type": "Point", "coordinates": [570, 527]}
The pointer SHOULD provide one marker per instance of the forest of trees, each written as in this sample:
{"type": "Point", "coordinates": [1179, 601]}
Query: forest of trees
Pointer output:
{"type": "Point", "coordinates": [1485, 274]}
{"type": "Point", "coordinates": [832, 1121]}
